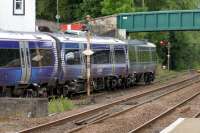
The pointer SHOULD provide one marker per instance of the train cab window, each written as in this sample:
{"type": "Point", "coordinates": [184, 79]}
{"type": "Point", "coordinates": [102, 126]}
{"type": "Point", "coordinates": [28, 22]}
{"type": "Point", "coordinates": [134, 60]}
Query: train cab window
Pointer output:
{"type": "Point", "coordinates": [101, 57]}
{"type": "Point", "coordinates": [154, 55]}
{"type": "Point", "coordinates": [144, 54]}
{"type": "Point", "coordinates": [72, 57]}
{"type": "Point", "coordinates": [120, 56]}
{"type": "Point", "coordinates": [41, 57]}
{"type": "Point", "coordinates": [10, 58]}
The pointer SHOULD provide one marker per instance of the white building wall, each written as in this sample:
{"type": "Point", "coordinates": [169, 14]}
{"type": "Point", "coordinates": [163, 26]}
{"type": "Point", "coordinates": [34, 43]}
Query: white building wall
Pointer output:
{"type": "Point", "coordinates": [10, 22]}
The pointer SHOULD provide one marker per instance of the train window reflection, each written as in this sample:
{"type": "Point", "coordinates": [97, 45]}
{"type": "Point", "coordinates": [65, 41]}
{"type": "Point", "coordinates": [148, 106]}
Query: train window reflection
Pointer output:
{"type": "Point", "coordinates": [10, 58]}
{"type": "Point", "coordinates": [72, 57]}
{"type": "Point", "coordinates": [120, 56]}
{"type": "Point", "coordinates": [101, 57]}
{"type": "Point", "coordinates": [41, 57]}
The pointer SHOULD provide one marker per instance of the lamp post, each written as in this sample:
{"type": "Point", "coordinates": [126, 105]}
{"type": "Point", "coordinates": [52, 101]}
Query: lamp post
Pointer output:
{"type": "Point", "coordinates": [57, 14]}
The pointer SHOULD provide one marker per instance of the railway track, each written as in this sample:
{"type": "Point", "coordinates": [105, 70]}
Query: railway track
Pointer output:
{"type": "Point", "coordinates": [163, 114]}
{"type": "Point", "coordinates": [78, 121]}
{"type": "Point", "coordinates": [196, 115]}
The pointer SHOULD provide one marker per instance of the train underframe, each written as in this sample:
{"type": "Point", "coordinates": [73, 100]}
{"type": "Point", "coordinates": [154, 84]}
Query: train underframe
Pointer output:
{"type": "Point", "coordinates": [77, 86]}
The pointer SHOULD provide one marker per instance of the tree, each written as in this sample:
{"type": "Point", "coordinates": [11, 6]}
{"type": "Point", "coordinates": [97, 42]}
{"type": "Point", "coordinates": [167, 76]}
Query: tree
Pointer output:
{"type": "Point", "coordinates": [91, 7]}
{"type": "Point", "coordinates": [46, 9]}
{"type": "Point", "coordinates": [119, 6]}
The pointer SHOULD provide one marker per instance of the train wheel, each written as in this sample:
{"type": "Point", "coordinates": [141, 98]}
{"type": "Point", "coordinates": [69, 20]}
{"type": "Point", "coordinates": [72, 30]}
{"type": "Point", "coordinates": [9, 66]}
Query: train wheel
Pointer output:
{"type": "Point", "coordinates": [152, 77]}
{"type": "Point", "coordinates": [147, 79]}
{"type": "Point", "coordinates": [114, 83]}
{"type": "Point", "coordinates": [120, 83]}
{"type": "Point", "coordinates": [65, 91]}
{"type": "Point", "coordinates": [128, 82]}
{"type": "Point", "coordinates": [31, 93]}
{"type": "Point", "coordinates": [108, 84]}
{"type": "Point", "coordinates": [7, 92]}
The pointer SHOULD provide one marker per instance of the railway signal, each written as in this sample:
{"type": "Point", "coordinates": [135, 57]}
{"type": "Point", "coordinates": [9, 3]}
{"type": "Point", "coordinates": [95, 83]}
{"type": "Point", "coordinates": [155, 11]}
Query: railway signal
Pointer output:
{"type": "Point", "coordinates": [88, 52]}
{"type": "Point", "coordinates": [168, 45]}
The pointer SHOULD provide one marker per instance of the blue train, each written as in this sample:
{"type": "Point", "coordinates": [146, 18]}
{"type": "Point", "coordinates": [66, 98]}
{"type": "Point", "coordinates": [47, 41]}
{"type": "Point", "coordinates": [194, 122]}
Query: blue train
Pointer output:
{"type": "Point", "coordinates": [46, 64]}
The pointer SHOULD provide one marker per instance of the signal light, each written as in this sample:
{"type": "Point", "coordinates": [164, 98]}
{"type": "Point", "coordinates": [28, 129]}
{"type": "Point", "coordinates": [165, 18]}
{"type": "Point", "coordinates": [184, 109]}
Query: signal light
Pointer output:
{"type": "Point", "coordinates": [163, 42]}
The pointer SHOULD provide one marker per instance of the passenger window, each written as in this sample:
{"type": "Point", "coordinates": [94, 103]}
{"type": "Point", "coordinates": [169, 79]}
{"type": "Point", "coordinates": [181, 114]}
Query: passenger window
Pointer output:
{"type": "Point", "coordinates": [72, 57]}
{"type": "Point", "coordinates": [41, 57]}
{"type": "Point", "coordinates": [10, 58]}
{"type": "Point", "coordinates": [120, 56]}
{"type": "Point", "coordinates": [101, 57]}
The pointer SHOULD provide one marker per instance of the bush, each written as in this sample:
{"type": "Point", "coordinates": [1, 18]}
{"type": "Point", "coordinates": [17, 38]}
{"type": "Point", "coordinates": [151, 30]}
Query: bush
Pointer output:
{"type": "Point", "coordinates": [60, 105]}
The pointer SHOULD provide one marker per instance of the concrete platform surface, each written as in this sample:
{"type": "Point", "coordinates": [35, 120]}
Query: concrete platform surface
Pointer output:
{"type": "Point", "coordinates": [184, 125]}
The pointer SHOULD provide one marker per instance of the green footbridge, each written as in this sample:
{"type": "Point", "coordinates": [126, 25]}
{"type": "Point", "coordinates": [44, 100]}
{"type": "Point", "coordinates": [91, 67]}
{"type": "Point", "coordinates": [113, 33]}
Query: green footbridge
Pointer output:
{"type": "Point", "coordinates": [175, 20]}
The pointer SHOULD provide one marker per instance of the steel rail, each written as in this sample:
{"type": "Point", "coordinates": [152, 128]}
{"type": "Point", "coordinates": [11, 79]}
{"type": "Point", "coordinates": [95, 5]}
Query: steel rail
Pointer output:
{"type": "Point", "coordinates": [100, 108]}
{"type": "Point", "coordinates": [164, 113]}
{"type": "Point", "coordinates": [196, 115]}
{"type": "Point", "coordinates": [126, 110]}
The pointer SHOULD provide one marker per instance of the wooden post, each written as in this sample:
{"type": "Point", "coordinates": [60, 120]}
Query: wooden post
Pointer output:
{"type": "Point", "coordinates": [88, 65]}
{"type": "Point", "coordinates": [88, 52]}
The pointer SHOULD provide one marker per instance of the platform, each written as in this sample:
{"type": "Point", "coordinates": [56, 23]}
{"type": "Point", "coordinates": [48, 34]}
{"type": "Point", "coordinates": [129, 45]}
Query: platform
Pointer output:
{"type": "Point", "coordinates": [184, 125]}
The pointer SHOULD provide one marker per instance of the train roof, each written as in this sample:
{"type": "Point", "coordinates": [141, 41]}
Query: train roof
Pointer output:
{"type": "Point", "coordinates": [34, 36]}
{"type": "Point", "coordinates": [82, 39]}
{"type": "Point", "coordinates": [141, 43]}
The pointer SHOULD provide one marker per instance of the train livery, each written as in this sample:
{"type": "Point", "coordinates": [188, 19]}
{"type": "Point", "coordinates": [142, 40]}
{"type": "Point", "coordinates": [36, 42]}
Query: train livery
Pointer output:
{"type": "Point", "coordinates": [46, 64]}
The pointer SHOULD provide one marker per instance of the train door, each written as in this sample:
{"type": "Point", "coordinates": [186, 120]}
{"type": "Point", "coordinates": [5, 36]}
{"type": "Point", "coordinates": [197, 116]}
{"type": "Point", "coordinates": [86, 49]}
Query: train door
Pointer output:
{"type": "Point", "coordinates": [41, 62]}
{"type": "Point", "coordinates": [101, 60]}
{"type": "Point", "coordinates": [25, 62]}
{"type": "Point", "coordinates": [37, 61]}
{"type": "Point", "coordinates": [120, 59]}
{"type": "Point", "coordinates": [72, 61]}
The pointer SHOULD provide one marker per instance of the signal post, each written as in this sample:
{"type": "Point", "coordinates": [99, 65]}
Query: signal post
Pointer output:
{"type": "Point", "coordinates": [88, 52]}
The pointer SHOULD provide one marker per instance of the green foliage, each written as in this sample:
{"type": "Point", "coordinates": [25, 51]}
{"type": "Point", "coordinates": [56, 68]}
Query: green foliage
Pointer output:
{"type": "Point", "coordinates": [46, 9]}
{"type": "Point", "coordinates": [69, 10]}
{"type": "Point", "coordinates": [117, 6]}
{"type": "Point", "coordinates": [185, 49]}
{"type": "Point", "coordinates": [91, 7]}
{"type": "Point", "coordinates": [59, 105]}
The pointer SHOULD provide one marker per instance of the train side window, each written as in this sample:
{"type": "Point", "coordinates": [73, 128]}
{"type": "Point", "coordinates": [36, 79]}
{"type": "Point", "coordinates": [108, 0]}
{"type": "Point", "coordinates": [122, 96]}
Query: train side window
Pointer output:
{"type": "Point", "coordinates": [120, 56]}
{"type": "Point", "coordinates": [101, 57]}
{"type": "Point", "coordinates": [10, 58]}
{"type": "Point", "coordinates": [41, 57]}
{"type": "Point", "coordinates": [72, 57]}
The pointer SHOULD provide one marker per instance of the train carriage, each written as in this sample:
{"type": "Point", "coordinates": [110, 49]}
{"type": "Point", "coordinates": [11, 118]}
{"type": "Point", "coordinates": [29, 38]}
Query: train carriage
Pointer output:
{"type": "Point", "coordinates": [142, 60]}
{"type": "Point", "coordinates": [26, 59]}
{"type": "Point", "coordinates": [41, 64]}
{"type": "Point", "coordinates": [109, 61]}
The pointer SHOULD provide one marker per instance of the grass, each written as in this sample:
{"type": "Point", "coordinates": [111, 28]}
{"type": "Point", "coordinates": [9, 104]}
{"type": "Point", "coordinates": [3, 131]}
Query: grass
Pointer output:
{"type": "Point", "coordinates": [60, 105]}
{"type": "Point", "coordinates": [162, 74]}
